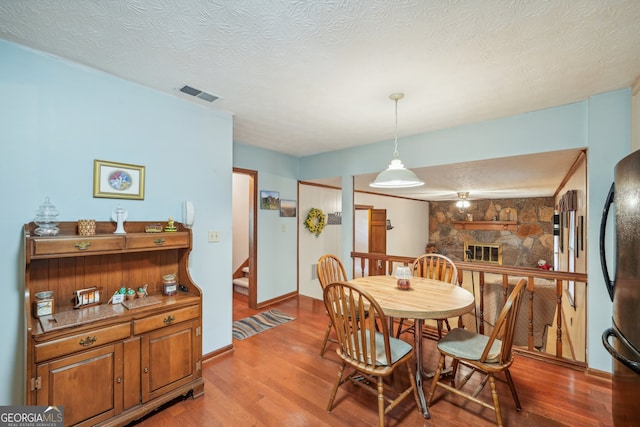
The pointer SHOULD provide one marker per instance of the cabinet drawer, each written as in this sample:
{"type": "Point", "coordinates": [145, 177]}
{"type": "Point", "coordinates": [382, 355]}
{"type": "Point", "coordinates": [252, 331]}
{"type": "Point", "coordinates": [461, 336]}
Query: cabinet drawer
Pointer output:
{"type": "Point", "coordinates": [160, 240]}
{"type": "Point", "coordinates": [168, 318]}
{"type": "Point", "coordinates": [76, 245]}
{"type": "Point", "coordinates": [81, 342]}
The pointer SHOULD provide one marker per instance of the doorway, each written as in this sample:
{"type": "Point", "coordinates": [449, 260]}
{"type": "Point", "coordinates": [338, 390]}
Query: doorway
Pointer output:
{"type": "Point", "coordinates": [370, 227]}
{"type": "Point", "coordinates": [245, 183]}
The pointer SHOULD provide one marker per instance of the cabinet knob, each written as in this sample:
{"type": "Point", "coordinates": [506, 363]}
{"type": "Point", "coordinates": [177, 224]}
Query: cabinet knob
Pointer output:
{"type": "Point", "coordinates": [146, 370]}
{"type": "Point", "coordinates": [88, 341]}
{"type": "Point", "coordinates": [118, 380]}
{"type": "Point", "coordinates": [82, 246]}
{"type": "Point", "coordinates": [169, 319]}
{"type": "Point", "coordinates": [159, 242]}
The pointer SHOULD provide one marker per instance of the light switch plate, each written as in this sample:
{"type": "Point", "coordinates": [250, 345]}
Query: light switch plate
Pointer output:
{"type": "Point", "coordinates": [213, 236]}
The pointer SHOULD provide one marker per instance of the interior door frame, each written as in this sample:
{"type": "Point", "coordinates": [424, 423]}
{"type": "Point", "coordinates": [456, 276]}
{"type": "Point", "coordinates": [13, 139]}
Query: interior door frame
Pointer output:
{"type": "Point", "coordinates": [367, 208]}
{"type": "Point", "coordinates": [253, 236]}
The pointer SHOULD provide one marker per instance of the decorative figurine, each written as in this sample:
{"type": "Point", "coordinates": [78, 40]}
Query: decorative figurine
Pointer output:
{"type": "Point", "coordinates": [170, 226]}
{"type": "Point", "coordinates": [119, 216]}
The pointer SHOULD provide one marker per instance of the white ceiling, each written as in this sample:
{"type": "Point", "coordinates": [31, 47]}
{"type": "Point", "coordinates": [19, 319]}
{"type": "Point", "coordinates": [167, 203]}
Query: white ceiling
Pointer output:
{"type": "Point", "coordinates": [304, 76]}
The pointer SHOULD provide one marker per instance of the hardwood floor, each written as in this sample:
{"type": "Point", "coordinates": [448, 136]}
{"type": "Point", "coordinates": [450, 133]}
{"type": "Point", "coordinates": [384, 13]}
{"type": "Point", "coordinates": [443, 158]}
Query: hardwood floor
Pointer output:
{"type": "Point", "coordinates": [277, 378]}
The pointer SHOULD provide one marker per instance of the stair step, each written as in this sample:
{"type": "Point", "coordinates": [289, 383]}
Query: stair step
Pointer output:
{"type": "Point", "coordinates": [241, 285]}
{"type": "Point", "coordinates": [241, 281]}
{"type": "Point", "coordinates": [245, 270]}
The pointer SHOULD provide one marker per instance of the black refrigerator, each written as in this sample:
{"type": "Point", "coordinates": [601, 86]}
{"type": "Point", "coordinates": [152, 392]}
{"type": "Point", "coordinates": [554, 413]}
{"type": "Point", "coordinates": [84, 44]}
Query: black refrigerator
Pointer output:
{"type": "Point", "coordinates": [622, 339]}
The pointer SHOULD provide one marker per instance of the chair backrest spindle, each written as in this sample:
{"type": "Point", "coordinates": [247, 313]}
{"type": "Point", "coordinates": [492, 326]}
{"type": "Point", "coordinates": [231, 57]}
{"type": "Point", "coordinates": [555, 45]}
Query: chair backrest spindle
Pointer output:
{"type": "Point", "coordinates": [506, 324]}
{"type": "Point", "coordinates": [330, 269]}
{"type": "Point", "coordinates": [435, 266]}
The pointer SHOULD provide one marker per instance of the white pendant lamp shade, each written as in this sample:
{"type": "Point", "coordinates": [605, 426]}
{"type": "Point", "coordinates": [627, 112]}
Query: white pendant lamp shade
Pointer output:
{"type": "Point", "coordinates": [396, 175]}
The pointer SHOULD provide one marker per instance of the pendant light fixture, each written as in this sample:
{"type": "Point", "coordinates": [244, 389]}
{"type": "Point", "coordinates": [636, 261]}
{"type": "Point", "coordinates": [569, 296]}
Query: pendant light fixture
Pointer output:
{"type": "Point", "coordinates": [396, 175]}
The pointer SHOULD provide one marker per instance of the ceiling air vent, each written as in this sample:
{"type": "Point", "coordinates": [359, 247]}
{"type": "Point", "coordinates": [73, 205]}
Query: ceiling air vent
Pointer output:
{"type": "Point", "coordinates": [198, 93]}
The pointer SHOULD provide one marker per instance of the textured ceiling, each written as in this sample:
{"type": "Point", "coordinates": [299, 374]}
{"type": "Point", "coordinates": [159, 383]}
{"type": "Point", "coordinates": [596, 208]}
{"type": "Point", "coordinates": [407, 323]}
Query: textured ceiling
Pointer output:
{"type": "Point", "coordinates": [304, 76]}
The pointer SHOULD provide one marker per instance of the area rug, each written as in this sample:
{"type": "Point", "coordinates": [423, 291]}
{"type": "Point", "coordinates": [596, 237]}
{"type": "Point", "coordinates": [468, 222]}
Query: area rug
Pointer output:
{"type": "Point", "coordinates": [257, 323]}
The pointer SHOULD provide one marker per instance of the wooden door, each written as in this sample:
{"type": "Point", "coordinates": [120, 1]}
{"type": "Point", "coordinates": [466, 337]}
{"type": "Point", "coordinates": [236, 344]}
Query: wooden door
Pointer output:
{"type": "Point", "coordinates": [377, 239]}
{"type": "Point", "coordinates": [88, 385]}
{"type": "Point", "coordinates": [168, 358]}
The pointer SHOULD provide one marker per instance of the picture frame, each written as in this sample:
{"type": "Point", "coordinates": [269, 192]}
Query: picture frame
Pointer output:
{"type": "Point", "coordinates": [288, 208]}
{"type": "Point", "coordinates": [118, 180]}
{"type": "Point", "coordinates": [269, 200]}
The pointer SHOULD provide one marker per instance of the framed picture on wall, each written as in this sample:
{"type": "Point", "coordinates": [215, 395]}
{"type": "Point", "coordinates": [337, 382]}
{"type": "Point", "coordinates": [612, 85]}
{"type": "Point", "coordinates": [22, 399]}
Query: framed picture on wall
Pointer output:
{"type": "Point", "coordinates": [118, 180]}
{"type": "Point", "coordinates": [288, 208]}
{"type": "Point", "coordinates": [269, 200]}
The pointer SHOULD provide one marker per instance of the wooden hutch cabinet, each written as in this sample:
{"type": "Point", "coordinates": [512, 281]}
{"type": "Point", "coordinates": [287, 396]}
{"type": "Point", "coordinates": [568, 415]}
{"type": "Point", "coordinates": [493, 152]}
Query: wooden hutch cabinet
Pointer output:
{"type": "Point", "coordinates": [109, 364]}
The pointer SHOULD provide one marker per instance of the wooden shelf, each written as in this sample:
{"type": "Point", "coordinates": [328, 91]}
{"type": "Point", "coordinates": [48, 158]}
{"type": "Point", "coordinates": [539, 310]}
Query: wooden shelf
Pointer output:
{"type": "Point", "coordinates": [486, 225]}
{"type": "Point", "coordinates": [111, 364]}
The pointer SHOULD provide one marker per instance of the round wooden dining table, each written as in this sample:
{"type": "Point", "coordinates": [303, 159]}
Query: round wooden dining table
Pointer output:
{"type": "Point", "coordinates": [425, 299]}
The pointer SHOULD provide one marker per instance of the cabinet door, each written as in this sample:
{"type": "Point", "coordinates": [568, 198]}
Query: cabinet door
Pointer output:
{"type": "Point", "coordinates": [88, 384]}
{"type": "Point", "coordinates": [169, 358]}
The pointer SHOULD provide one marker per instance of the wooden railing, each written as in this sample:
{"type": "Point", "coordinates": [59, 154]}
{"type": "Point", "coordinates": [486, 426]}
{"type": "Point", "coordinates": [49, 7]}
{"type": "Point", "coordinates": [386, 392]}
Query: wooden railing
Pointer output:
{"type": "Point", "coordinates": [385, 264]}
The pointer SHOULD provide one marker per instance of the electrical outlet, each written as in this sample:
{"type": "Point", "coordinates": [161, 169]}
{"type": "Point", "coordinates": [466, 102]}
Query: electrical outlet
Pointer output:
{"type": "Point", "coordinates": [283, 228]}
{"type": "Point", "coordinates": [213, 236]}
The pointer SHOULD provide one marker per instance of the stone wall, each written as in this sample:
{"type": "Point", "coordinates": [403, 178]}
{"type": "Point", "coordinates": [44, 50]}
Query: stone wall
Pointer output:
{"type": "Point", "coordinates": [532, 241]}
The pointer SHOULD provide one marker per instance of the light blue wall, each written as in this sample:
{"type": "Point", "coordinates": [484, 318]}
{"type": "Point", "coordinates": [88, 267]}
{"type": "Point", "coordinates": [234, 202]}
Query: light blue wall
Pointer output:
{"type": "Point", "coordinates": [601, 124]}
{"type": "Point", "coordinates": [277, 236]}
{"type": "Point", "coordinates": [57, 117]}
{"type": "Point", "coordinates": [609, 140]}
{"type": "Point", "coordinates": [539, 131]}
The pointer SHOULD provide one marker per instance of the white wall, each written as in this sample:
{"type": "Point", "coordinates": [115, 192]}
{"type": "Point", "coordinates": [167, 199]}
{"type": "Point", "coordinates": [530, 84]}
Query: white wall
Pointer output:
{"type": "Point", "coordinates": [574, 317]}
{"type": "Point", "coordinates": [311, 248]}
{"type": "Point", "coordinates": [57, 117]}
{"type": "Point", "coordinates": [635, 116]}
{"type": "Point", "coordinates": [410, 220]}
{"type": "Point", "coordinates": [241, 199]}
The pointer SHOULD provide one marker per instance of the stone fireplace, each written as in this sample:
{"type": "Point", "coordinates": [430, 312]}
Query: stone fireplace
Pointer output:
{"type": "Point", "coordinates": [522, 229]}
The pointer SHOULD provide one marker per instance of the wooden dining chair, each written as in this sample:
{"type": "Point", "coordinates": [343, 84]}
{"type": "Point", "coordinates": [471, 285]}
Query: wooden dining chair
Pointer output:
{"type": "Point", "coordinates": [486, 354]}
{"type": "Point", "coordinates": [329, 269]}
{"type": "Point", "coordinates": [437, 267]}
{"type": "Point", "coordinates": [372, 355]}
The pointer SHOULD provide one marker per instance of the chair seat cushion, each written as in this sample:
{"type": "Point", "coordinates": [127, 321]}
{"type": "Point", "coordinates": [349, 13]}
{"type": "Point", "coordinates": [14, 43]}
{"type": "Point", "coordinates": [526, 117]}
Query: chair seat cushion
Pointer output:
{"type": "Point", "coordinates": [398, 347]}
{"type": "Point", "coordinates": [469, 345]}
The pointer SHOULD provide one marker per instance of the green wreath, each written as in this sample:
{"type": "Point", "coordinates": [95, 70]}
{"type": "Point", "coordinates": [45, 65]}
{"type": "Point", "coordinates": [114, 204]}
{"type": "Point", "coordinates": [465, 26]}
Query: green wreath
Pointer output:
{"type": "Point", "coordinates": [315, 221]}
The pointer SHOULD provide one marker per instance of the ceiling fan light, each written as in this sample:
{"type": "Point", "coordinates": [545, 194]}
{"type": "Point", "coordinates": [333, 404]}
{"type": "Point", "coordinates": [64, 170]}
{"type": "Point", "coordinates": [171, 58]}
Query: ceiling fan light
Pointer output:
{"type": "Point", "coordinates": [462, 202]}
{"type": "Point", "coordinates": [396, 176]}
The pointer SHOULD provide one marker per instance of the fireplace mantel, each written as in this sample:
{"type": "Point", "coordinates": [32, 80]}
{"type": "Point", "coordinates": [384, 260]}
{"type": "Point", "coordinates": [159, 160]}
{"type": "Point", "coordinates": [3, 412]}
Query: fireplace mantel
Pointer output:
{"type": "Point", "coordinates": [486, 225]}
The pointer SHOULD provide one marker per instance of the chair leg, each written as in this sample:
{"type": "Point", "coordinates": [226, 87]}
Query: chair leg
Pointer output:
{"type": "Point", "coordinates": [380, 402]}
{"type": "Point", "coordinates": [326, 338]}
{"type": "Point", "coordinates": [512, 386]}
{"type": "Point", "coordinates": [496, 402]}
{"type": "Point", "coordinates": [399, 327]}
{"type": "Point", "coordinates": [434, 380]}
{"type": "Point", "coordinates": [335, 387]}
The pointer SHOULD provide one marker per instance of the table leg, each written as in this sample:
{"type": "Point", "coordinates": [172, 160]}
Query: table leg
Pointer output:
{"type": "Point", "coordinates": [418, 353]}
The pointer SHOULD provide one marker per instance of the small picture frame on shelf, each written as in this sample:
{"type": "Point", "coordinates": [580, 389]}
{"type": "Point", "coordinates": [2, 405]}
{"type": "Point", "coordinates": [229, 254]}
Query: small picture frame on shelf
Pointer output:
{"type": "Point", "coordinates": [87, 297]}
{"type": "Point", "coordinates": [118, 180]}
